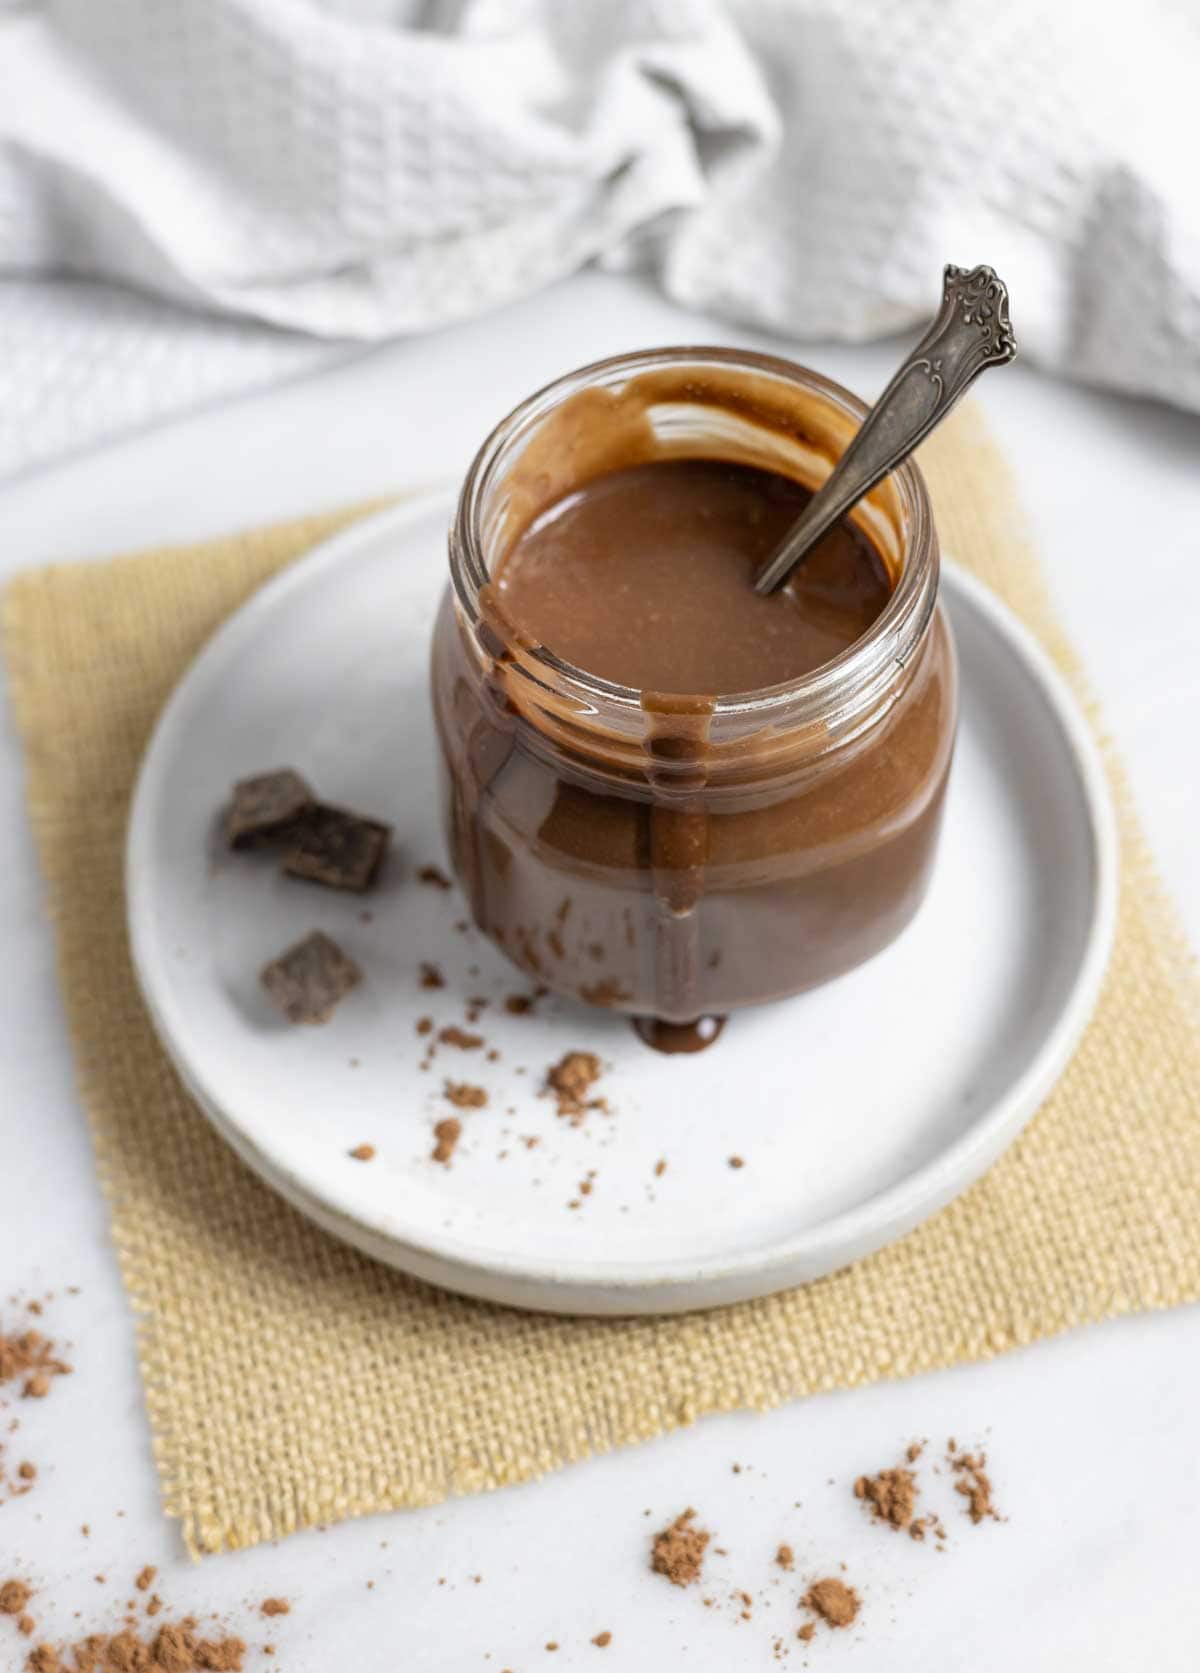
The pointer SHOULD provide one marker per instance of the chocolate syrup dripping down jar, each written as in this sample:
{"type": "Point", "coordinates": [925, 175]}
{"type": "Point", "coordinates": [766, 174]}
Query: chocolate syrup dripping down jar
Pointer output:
{"type": "Point", "coordinates": [677, 857]}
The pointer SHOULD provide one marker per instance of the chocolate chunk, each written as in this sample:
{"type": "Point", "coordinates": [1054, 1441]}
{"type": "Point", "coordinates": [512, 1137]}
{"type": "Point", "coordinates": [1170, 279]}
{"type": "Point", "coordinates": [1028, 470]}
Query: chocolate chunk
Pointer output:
{"type": "Point", "coordinates": [310, 980]}
{"type": "Point", "coordinates": [265, 807]}
{"type": "Point", "coordinates": [333, 846]}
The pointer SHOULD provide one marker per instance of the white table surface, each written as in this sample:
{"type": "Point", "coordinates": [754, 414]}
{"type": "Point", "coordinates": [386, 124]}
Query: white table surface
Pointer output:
{"type": "Point", "coordinates": [1093, 1437]}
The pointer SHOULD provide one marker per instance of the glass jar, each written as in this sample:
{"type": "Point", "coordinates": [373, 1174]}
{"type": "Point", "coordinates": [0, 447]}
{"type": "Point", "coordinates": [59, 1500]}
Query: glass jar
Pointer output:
{"type": "Point", "coordinates": [685, 858]}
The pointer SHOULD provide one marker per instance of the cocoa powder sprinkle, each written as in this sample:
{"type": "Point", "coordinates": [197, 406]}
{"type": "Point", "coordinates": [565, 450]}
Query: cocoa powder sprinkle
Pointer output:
{"type": "Point", "coordinates": [174, 1649]}
{"type": "Point", "coordinates": [570, 1080]}
{"type": "Point", "coordinates": [465, 1097]}
{"type": "Point", "coordinates": [276, 1606]}
{"type": "Point", "coordinates": [974, 1484]}
{"type": "Point", "coordinates": [14, 1595]}
{"type": "Point", "coordinates": [456, 1036]}
{"type": "Point", "coordinates": [363, 1153]}
{"type": "Point", "coordinates": [678, 1551]}
{"type": "Point", "coordinates": [447, 1134]}
{"type": "Point", "coordinates": [836, 1603]}
{"type": "Point", "coordinates": [785, 1557]}
{"type": "Point", "coordinates": [891, 1495]}
{"type": "Point", "coordinates": [434, 876]}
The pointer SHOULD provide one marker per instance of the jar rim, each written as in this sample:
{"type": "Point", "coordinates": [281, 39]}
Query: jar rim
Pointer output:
{"type": "Point", "coordinates": [845, 681]}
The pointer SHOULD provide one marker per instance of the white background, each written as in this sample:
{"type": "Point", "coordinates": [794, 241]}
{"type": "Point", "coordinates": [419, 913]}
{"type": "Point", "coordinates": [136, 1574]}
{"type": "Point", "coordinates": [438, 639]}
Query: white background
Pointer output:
{"type": "Point", "coordinates": [1093, 1438]}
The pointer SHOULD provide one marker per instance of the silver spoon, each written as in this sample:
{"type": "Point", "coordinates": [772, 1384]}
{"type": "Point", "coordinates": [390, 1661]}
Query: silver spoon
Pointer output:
{"type": "Point", "coordinates": [970, 333]}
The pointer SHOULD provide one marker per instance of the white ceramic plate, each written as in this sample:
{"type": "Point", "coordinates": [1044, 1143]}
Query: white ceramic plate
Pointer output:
{"type": "Point", "coordinates": [858, 1109]}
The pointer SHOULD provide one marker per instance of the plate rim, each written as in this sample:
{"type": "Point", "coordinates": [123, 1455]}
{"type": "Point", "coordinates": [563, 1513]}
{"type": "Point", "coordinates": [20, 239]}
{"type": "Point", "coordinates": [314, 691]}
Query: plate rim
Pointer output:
{"type": "Point", "coordinates": [588, 1287]}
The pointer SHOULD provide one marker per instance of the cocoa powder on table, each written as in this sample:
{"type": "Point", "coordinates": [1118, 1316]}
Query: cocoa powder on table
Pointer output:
{"type": "Point", "coordinates": [891, 1495]}
{"type": "Point", "coordinates": [678, 1550]}
{"type": "Point", "coordinates": [974, 1483]}
{"type": "Point", "coordinates": [174, 1647]}
{"type": "Point", "coordinates": [30, 1364]}
{"type": "Point", "coordinates": [28, 1357]}
{"type": "Point", "coordinates": [836, 1603]}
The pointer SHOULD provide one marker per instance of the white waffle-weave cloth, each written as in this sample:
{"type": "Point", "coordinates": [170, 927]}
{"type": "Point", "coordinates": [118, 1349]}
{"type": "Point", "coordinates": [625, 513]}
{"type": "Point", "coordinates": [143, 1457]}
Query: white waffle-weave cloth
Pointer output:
{"type": "Point", "coordinates": [200, 197]}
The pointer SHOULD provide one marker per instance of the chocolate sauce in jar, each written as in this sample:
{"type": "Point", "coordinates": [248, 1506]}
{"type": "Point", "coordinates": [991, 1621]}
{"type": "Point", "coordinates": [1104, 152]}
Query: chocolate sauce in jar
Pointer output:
{"type": "Point", "coordinates": [650, 808]}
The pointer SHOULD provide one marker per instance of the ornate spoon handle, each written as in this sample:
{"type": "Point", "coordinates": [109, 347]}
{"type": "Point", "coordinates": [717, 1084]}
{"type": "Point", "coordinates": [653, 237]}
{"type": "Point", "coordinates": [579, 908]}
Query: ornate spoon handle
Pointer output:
{"type": "Point", "coordinates": [971, 332]}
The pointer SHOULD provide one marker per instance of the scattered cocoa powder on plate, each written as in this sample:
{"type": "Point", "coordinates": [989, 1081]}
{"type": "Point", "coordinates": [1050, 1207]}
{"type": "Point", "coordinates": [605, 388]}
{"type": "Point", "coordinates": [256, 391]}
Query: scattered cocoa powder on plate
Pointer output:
{"type": "Point", "coordinates": [465, 1097]}
{"type": "Point", "coordinates": [275, 1606]}
{"type": "Point", "coordinates": [570, 1080]}
{"type": "Point", "coordinates": [602, 1640]}
{"type": "Point", "coordinates": [434, 876]}
{"type": "Point", "coordinates": [431, 976]}
{"type": "Point", "coordinates": [836, 1603]}
{"type": "Point", "coordinates": [455, 1036]}
{"type": "Point", "coordinates": [678, 1550]}
{"type": "Point", "coordinates": [785, 1557]}
{"type": "Point", "coordinates": [363, 1153]}
{"type": "Point", "coordinates": [447, 1134]}
{"type": "Point", "coordinates": [145, 1579]}
{"type": "Point", "coordinates": [806, 1632]}
{"type": "Point", "coordinates": [14, 1595]}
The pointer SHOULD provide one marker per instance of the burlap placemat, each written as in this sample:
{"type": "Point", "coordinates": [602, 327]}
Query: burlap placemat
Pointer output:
{"type": "Point", "coordinates": [291, 1381]}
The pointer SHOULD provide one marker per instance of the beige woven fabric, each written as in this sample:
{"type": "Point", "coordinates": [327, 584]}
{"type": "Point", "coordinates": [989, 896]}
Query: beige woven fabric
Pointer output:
{"type": "Point", "coordinates": [291, 1381]}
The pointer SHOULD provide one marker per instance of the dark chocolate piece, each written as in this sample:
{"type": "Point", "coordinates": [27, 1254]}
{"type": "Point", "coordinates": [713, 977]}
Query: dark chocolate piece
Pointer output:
{"type": "Point", "coordinates": [266, 806]}
{"type": "Point", "coordinates": [310, 980]}
{"type": "Point", "coordinates": [340, 849]}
